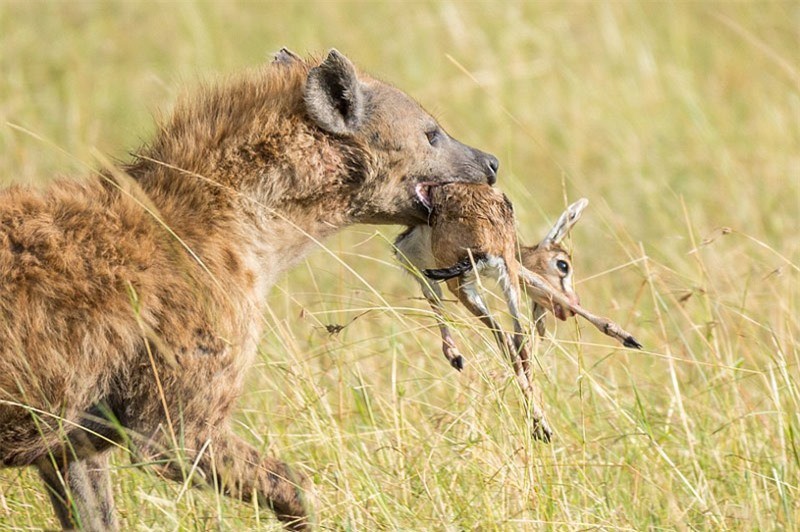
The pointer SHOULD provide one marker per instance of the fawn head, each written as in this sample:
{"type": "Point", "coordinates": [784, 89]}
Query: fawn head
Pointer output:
{"type": "Point", "coordinates": [551, 260]}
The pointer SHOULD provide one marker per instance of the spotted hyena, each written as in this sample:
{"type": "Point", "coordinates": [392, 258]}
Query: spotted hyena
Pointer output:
{"type": "Point", "coordinates": [131, 301]}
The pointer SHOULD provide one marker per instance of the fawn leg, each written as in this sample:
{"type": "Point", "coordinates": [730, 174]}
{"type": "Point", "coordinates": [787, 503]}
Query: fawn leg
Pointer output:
{"type": "Point", "coordinates": [237, 470]}
{"type": "Point", "coordinates": [433, 293]}
{"type": "Point", "coordinates": [538, 313]}
{"type": "Point", "coordinates": [541, 428]}
{"type": "Point", "coordinates": [472, 300]}
{"type": "Point", "coordinates": [511, 293]}
{"type": "Point", "coordinates": [80, 491]}
{"type": "Point", "coordinates": [517, 352]}
{"type": "Point", "coordinates": [414, 254]}
{"type": "Point", "coordinates": [604, 325]}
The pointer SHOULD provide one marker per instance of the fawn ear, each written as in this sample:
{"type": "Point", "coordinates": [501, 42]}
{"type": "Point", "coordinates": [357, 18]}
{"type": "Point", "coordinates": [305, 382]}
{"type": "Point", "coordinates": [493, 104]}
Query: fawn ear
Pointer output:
{"type": "Point", "coordinates": [285, 57]}
{"type": "Point", "coordinates": [565, 222]}
{"type": "Point", "coordinates": [333, 95]}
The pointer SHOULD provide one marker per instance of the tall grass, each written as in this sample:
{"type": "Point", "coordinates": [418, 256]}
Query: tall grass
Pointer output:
{"type": "Point", "coordinates": [678, 121]}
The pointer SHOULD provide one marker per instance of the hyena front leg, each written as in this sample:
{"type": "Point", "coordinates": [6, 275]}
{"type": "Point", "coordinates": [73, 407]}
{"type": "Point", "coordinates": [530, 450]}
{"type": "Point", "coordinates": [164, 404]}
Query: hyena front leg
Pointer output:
{"type": "Point", "coordinates": [236, 469]}
{"type": "Point", "coordinates": [80, 491]}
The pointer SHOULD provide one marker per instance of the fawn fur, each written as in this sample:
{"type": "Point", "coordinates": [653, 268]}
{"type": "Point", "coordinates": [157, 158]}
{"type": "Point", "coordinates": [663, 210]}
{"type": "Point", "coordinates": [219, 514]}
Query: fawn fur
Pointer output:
{"type": "Point", "coordinates": [131, 302]}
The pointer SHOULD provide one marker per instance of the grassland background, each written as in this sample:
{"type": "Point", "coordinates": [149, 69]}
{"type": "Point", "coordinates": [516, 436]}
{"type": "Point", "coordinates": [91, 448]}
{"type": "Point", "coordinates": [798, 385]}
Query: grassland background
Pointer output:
{"type": "Point", "coordinates": [678, 121]}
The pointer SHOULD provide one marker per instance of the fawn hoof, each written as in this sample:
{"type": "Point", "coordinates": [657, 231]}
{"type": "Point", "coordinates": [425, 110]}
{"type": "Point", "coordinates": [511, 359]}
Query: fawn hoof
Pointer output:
{"type": "Point", "coordinates": [631, 342]}
{"type": "Point", "coordinates": [541, 431]}
{"type": "Point", "coordinates": [452, 354]}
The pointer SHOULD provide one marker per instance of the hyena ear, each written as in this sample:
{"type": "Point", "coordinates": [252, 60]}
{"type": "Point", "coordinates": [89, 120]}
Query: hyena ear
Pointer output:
{"type": "Point", "coordinates": [333, 95]}
{"type": "Point", "coordinates": [284, 56]}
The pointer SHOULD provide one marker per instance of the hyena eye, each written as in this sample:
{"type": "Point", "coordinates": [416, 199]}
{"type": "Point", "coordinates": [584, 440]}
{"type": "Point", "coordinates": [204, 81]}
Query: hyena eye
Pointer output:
{"type": "Point", "coordinates": [563, 266]}
{"type": "Point", "coordinates": [434, 136]}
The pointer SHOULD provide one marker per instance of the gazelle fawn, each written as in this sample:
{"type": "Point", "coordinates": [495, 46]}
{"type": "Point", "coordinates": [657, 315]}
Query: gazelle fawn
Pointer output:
{"type": "Point", "coordinates": [467, 227]}
{"type": "Point", "coordinates": [553, 263]}
{"type": "Point", "coordinates": [471, 235]}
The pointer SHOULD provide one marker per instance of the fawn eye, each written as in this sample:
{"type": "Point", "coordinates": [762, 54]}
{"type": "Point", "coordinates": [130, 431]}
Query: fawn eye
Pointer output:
{"type": "Point", "coordinates": [563, 266]}
{"type": "Point", "coordinates": [434, 136]}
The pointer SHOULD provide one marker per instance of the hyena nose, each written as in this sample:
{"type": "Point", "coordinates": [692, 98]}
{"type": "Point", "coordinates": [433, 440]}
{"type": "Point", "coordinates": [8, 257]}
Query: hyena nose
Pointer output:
{"type": "Point", "coordinates": [493, 165]}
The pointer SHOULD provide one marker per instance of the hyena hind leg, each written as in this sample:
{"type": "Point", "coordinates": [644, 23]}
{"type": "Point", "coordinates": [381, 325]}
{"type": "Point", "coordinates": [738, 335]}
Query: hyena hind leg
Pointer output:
{"type": "Point", "coordinates": [80, 492]}
{"type": "Point", "coordinates": [237, 470]}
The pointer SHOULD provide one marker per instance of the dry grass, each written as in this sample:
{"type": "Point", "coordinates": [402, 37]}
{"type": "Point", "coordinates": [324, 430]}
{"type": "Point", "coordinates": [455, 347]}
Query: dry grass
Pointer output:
{"type": "Point", "coordinates": [678, 121]}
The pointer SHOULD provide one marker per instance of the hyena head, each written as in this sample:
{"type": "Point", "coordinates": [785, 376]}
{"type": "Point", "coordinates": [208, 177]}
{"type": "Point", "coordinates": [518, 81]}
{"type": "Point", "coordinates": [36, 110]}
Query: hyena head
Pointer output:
{"type": "Point", "coordinates": [404, 146]}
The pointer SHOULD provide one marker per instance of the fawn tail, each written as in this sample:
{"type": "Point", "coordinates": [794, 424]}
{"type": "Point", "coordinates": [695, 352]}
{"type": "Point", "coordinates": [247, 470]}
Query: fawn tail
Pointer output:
{"type": "Point", "coordinates": [459, 268]}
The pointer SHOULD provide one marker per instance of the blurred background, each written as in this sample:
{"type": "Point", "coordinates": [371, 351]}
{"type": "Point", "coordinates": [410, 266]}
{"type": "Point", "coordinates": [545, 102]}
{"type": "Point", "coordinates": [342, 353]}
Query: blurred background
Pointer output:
{"type": "Point", "coordinates": [679, 122]}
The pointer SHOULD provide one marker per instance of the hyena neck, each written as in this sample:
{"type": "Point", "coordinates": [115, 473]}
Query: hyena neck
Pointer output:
{"type": "Point", "coordinates": [244, 161]}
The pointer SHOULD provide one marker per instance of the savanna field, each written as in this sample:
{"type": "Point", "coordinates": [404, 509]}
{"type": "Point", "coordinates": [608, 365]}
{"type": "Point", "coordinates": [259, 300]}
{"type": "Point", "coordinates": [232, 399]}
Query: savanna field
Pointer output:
{"type": "Point", "coordinates": [679, 122]}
